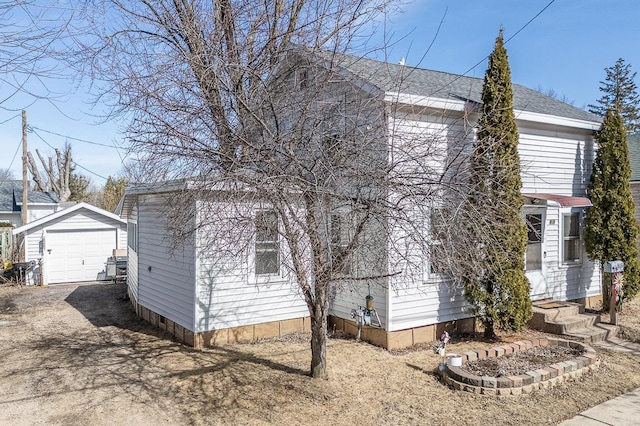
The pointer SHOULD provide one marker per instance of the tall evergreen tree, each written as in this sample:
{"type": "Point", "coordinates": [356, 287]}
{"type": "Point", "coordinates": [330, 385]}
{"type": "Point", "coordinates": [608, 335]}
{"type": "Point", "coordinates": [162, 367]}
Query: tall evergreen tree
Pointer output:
{"type": "Point", "coordinates": [611, 230]}
{"type": "Point", "coordinates": [499, 294]}
{"type": "Point", "coordinates": [111, 193]}
{"type": "Point", "coordinates": [620, 92]}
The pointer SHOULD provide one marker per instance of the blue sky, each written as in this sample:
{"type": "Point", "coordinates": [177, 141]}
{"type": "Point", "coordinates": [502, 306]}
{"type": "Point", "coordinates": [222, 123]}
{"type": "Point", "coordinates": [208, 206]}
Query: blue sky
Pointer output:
{"type": "Point", "coordinates": [566, 48]}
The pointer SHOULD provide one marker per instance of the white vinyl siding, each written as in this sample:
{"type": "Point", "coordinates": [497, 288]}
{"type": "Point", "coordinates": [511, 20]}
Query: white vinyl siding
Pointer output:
{"type": "Point", "coordinates": [229, 294]}
{"type": "Point", "coordinates": [430, 303]}
{"type": "Point", "coordinates": [166, 276]}
{"type": "Point", "coordinates": [554, 162]}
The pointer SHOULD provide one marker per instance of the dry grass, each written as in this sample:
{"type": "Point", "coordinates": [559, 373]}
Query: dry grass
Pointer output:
{"type": "Point", "coordinates": [77, 355]}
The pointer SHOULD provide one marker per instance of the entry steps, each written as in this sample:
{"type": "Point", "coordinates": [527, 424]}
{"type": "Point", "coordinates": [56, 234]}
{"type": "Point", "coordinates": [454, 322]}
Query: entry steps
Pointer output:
{"type": "Point", "coordinates": [570, 319]}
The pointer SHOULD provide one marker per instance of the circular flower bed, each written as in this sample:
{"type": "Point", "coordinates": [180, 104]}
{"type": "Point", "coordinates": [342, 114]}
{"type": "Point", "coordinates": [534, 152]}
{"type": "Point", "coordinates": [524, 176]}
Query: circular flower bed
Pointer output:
{"type": "Point", "coordinates": [520, 367]}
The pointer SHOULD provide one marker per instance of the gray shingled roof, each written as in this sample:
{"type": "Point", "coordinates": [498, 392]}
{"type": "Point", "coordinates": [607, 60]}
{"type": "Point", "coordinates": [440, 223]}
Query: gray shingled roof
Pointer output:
{"type": "Point", "coordinates": [11, 194]}
{"type": "Point", "coordinates": [633, 142]}
{"type": "Point", "coordinates": [422, 82]}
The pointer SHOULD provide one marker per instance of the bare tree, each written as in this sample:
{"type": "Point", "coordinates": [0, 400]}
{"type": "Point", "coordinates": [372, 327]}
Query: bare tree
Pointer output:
{"type": "Point", "coordinates": [58, 178]}
{"type": "Point", "coordinates": [5, 175]}
{"type": "Point", "coordinates": [253, 103]}
{"type": "Point", "coordinates": [30, 40]}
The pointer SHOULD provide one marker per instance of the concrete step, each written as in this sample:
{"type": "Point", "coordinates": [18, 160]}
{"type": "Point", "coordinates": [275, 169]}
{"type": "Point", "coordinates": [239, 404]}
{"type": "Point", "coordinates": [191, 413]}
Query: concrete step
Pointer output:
{"type": "Point", "coordinates": [569, 324]}
{"type": "Point", "coordinates": [570, 320]}
{"type": "Point", "coordinates": [593, 334]}
{"type": "Point", "coordinates": [553, 310]}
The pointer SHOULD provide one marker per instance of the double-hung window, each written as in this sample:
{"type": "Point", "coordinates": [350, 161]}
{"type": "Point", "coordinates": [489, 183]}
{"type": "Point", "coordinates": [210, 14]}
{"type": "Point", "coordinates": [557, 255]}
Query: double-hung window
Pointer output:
{"type": "Point", "coordinates": [132, 235]}
{"type": "Point", "coordinates": [267, 249]}
{"type": "Point", "coordinates": [572, 243]}
{"type": "Point", "coordinates": [339, 242]}
{"type": "Point", "coordinates": [437, 229]}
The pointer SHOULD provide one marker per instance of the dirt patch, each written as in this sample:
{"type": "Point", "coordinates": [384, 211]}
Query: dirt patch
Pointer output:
{"type": "Point", "coordinates": [77, 355]}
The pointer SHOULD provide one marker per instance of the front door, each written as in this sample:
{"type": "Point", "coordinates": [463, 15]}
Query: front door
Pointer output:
{"type": "Point", "coordinates": [535, 254]}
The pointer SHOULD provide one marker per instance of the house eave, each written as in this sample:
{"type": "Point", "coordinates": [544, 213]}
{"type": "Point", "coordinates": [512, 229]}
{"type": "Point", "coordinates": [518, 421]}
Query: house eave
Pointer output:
{"type": "Point", "coordinates": [556, 120]}
{"type": "Point", "coordinates": [462, 105]}
{"type": "Point", "coordinates": [425, 101]}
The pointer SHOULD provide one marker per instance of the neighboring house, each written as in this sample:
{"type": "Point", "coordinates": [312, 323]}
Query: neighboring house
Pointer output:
{"type": "Point", "coordinates": [39, 203]}
{"type": "Point", "coordinates": [71, 245]}
{"type": "Point", "coordinates": [633, 143]}
{"type": "Point", "coordinates": [204, 302]}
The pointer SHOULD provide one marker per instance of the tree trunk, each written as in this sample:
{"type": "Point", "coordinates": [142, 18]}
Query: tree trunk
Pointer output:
{"type": "Point", "coordinates": [489, 331]}
{"type": "Point", "coordinates": [319, 334]}
{"type": "Point", "coordinates": [319, 348]}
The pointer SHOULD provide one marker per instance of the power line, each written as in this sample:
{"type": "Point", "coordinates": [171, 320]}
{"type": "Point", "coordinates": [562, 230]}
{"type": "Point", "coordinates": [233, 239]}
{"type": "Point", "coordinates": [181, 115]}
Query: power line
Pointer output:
{"type": "Point", "coordinates": [74, 163]}
{"type": "Point", "coordinates": [9, 119]}
{"type": "Point", "coordinates": [72, 138]}
{"type": "Point", "coordinates": [11, 164]}
{"type": "Point", "coordinates": [15, 154]}
{"type": "Point", "coordinates": [483, 59]}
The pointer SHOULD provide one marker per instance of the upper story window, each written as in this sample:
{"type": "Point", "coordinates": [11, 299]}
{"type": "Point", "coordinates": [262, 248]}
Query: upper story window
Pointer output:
{"type": "Point", "coordinates": [267, 249]}
{"type": "Point", "coordinates": [339, 235]}
{"type": "Point", "coordinates": [571, 238]}
{"type": "Point", "coordinates": [303, 78]}
{"type": "Point", "coordinates": [437, 229]}
{"type": "Point", "coordinates": [331, 146]}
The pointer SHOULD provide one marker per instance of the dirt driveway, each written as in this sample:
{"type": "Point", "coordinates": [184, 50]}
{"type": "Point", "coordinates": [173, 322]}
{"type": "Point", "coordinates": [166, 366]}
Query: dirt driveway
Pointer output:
{"type": "Point", "coordinates": [76, 355]}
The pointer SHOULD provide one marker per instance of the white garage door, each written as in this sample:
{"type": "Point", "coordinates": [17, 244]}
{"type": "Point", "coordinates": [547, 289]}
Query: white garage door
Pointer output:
{"type": "Point", "coordinates": [74, 256]}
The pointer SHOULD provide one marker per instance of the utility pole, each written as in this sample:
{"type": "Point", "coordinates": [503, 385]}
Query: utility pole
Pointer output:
{"type": "Point", "coordinates": [25, 176]}
{"type": "Point", "coordinates": [25, 181]}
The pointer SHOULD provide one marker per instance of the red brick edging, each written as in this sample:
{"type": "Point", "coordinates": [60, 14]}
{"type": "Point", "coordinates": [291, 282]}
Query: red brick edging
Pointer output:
{"type": "Point", "coordinates": [526, 383]}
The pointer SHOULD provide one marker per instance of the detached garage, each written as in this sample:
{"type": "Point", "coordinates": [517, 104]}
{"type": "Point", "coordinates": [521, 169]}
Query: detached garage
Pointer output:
{"type": "Point", "coordinates": [72, 245]}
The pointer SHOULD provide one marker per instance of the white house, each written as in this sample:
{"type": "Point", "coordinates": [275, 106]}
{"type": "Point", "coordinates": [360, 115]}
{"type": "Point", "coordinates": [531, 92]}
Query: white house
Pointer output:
{"type": "Point", "coordinates": [71, 245]}
{"type": "Point", "coordinates": [201, 301]}
{"type": "Point", "coordinates": [556, 150]}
